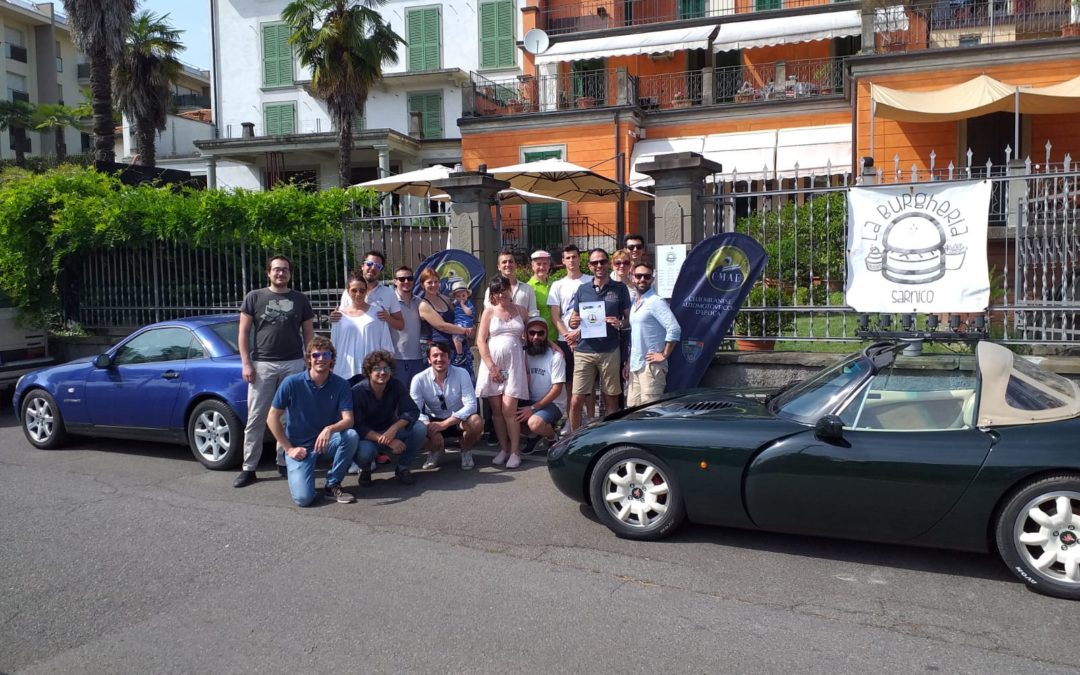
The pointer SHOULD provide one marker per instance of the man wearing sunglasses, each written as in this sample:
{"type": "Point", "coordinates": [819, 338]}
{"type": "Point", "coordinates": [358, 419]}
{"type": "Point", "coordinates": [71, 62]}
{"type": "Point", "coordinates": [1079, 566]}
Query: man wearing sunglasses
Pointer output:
{"type": "Point", "coordinates": [547, 382]}
{"type": "Point", "coordinates": [446, 398]}
{"type": "Point", "coordinates": [410, 360]}
{"type": "Point", "coordinates": [311, 417]}
{"type": "Point", "coordinates": [654, 334]}
{"type": "Point", "coordinates": [635, 244]}
{"type": "Point", "coordinates": [599, 355]}
{"type": "Point", "coordinates": [381, 298]}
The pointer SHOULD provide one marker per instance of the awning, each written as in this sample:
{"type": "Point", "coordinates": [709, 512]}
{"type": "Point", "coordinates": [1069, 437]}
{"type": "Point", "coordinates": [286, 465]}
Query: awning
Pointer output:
{"type": "Point", "coordinates": [979, 96]}
{"type": "Point", "coordinates": [652, 42]}
{"type": "Point", "coordinates": [754, 155]}
{"type": "Point", "coordinates": [787, 30]}
{"type": "Point", "coordinates": [1053, 99]}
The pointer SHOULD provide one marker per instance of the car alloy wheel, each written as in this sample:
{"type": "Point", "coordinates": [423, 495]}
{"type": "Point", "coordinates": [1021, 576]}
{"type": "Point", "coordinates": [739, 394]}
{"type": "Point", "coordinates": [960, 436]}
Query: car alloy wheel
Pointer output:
{"type": "Point", "coordinates": [215, 435]}
{"type": "Point", "coordinates": [1038, 535]}
{"type": "Point", "coordinates": [42, 422]}
{"type": "Point", "coordinates": [635, 494]}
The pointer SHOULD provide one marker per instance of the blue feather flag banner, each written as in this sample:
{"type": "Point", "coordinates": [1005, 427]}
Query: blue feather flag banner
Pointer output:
{"type": "Point", "coordinates": [712, 285]}
{"type": "Point", "coordinates": [454, 265]}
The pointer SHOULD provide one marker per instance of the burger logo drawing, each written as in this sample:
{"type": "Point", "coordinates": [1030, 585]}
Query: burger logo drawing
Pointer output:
{"type": "Point", "coordinates": [914, 250]}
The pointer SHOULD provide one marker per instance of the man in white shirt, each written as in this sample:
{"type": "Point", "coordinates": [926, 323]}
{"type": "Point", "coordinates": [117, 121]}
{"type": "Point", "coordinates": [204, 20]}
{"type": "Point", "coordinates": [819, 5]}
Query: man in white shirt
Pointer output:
{"type": "Point", "coordinates": [382, 298]}
{"type": "Point", "coordinates": [520, 293]}
{"type": "Point", "coordinates": [410, 360]}
{"type": "Point", "coordinates": [446, 398]}
{"type": "Point", "coordinates": [547, 381]}
{"type": "Point", "coordinates": [561, 301]}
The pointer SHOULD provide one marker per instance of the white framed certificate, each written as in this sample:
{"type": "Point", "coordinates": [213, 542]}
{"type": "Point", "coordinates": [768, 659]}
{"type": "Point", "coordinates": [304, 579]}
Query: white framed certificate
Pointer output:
{"type": "Point", "coordinates": [669, 261]}
{"type": "Point", "coordinates": [593, 320]}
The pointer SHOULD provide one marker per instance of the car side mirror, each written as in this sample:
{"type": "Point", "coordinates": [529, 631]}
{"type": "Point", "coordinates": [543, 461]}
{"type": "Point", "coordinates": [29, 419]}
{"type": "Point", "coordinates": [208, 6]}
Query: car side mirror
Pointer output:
{"type": "Point", "coordinates": [829, 428]}
{"type": "Point", "coordinates": [102, 361]}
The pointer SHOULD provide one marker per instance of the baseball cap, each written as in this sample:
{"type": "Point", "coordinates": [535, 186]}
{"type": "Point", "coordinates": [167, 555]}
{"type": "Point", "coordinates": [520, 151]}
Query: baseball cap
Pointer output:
{"type": "Point", "coordinates": [536, 318]}
{"type": "Point", "coordinates": [537, 255]}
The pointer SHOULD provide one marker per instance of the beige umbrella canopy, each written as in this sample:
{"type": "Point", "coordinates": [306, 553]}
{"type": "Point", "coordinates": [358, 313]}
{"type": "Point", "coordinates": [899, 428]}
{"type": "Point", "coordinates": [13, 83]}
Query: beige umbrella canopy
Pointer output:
{"type": "Point", "coordinates": [416, 183]}
{"type": "Point", "coordinates": [569, 182]}
{"type": "Point", "coordinates": [513, 197]}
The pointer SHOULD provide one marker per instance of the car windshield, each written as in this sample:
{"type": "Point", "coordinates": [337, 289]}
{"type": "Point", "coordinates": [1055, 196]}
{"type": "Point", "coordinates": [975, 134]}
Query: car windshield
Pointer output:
{"type": "Point", "coordinates": [819, 395]}
{"type": "Point", "coordinates": [229, 332]}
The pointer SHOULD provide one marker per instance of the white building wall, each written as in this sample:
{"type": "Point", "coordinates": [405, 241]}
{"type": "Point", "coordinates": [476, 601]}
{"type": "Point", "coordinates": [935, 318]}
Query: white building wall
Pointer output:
{"type": "Point", "coordinates": [178, 138]}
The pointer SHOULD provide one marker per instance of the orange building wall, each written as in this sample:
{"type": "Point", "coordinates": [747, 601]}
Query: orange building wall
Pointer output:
{"type": "Point", "coordinates": [913, 141]}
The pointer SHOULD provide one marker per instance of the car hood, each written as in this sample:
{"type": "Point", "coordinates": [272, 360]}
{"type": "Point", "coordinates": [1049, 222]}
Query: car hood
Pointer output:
{"type": "Point", "coordinates": [701, 404]}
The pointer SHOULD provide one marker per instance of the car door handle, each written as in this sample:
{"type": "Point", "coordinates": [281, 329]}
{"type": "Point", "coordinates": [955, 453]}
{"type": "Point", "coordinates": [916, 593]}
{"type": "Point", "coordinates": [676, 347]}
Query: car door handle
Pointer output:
{"type": "Point", "coordinates": [170, 375]}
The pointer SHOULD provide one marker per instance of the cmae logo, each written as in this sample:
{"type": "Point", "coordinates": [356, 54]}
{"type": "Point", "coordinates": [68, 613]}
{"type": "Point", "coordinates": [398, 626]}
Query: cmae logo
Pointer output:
{"type": "Point", "coordinates": [450, 271]}
{"type": "Point", "coordinates": [727, 269]}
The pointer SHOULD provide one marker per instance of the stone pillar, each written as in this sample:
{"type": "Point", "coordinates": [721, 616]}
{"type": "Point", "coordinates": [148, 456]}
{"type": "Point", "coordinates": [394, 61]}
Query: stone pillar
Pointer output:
{"type": "Point", "coordinates": [622, 87]}
{"type": "Point", "coordinates": [211, 172]}
{"type": "Point", "coordinates": [472, 227]}
{"type": "Point", "coordinates": [869, 12]}
{"type": "Point", "coordinates": [708, 82]}
{"type": "Point", "coordinates": [384, 171]}
{"type": "Point", "coordinates": [679, 188]}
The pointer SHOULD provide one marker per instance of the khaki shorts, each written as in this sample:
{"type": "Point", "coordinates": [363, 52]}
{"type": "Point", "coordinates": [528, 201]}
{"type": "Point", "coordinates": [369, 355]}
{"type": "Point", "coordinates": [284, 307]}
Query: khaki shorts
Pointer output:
{"type": "Point", "coordinates": [587, 364]}
{"type": "Point", "coordinates": [647, 384]}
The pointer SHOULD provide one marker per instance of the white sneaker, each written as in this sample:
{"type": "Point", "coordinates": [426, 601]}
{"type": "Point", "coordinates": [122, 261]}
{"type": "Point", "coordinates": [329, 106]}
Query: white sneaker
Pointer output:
{"type": "Point", "coordinates": [354, 469]}
{"type": "Point", "coordinates": [467, 460]}
{"type": "Point", "coordinates": [432, 461]}
{"type": "Point", "coordinates": [501, 457]}
{"type": "Point", "coordinates": [514, 462]}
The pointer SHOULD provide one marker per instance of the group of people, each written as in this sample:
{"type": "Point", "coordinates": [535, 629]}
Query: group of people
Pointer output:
{"type": "Point", "coordinates": [397, 374]}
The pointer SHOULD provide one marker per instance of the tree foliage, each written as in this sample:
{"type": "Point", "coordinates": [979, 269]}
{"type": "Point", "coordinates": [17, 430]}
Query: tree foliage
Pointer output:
{"type": "Point", "coordinates": [49, 221]}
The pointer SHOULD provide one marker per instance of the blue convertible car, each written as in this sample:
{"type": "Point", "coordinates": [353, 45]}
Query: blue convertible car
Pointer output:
{"type": "Point", "coordinates": [174, 381]}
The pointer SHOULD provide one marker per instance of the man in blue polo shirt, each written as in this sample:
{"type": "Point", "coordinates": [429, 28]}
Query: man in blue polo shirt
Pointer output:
{"type": "Point", "coordinates": [320, 420]}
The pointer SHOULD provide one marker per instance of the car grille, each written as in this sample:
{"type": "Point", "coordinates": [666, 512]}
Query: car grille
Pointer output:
{"type": "Point", "coordinates": [709, 405]}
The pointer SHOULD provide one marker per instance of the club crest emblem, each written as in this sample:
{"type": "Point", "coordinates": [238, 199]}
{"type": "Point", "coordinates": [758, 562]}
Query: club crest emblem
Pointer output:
{"type": "Point", "coordinates": [692, 349]}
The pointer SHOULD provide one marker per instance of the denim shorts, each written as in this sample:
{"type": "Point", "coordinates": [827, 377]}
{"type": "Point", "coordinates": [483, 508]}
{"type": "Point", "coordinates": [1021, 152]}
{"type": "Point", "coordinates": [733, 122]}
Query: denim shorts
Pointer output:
{"type": "Point", "coordinates": [549, 413]}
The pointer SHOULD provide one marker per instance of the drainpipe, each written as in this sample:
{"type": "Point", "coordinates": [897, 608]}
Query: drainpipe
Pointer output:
{"type": "Point", "coordinates": [215, 82]}
{"type": "Point", "coordinates": [620, 215]}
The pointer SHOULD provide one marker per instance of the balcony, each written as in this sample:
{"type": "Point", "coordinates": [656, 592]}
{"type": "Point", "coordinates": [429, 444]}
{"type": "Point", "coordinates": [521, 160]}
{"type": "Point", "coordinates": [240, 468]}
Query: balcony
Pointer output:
{"type": "Point", "coordinates": [581, 90]}
{"type": "Point", "coordinates": [944, 24]}
{"type": "Point", "coordinates": [779, 82]}
{"type": "Point", "coordinates": [190, 101]}
{"type": "Point", "coordinates": [16, 53]}
{"type": "Point", "coordinates": [593, 15]}
{"type": "Point", "coordinates": [17, 95]}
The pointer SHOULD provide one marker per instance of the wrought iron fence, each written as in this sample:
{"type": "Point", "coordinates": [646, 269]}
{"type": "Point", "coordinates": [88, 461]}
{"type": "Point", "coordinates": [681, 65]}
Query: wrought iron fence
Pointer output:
{"type": "Point", "coordinates": [1033, 251]}
{"type": "Point", "coordinates": [524, 235]}
{"type": "Point", "coordinates": [581, 89]}
{"type": "Point", "coordinates": [170, 279]}
{"type": "Point", "coordinates": [967, 23]}
{"type": "Point", "coordinates": [779, 81]}
{"type": "Point", "coordinates": [670, 90]}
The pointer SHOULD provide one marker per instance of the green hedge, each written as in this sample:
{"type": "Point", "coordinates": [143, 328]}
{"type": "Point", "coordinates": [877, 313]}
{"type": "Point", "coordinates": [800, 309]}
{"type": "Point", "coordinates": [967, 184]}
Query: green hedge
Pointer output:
{"type": "Point", "coordinates": [48, 221]}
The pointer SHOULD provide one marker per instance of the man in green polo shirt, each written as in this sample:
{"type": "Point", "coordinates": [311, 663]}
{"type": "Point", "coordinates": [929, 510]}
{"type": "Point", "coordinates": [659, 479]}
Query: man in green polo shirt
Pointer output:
{"type": "Point", "coordinates": [541, 282]}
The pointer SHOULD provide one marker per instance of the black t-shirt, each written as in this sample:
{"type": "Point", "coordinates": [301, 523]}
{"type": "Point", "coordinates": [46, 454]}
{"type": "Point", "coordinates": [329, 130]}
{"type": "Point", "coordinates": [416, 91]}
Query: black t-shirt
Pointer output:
{"type": "Point", "coordinates": [278, 319]}
{"type": "Point", "coordinates": [616, 299]}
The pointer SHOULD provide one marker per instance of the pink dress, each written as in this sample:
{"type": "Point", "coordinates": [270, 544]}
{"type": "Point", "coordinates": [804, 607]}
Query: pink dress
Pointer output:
{"type": "Point", "coordinates": [504, 343]}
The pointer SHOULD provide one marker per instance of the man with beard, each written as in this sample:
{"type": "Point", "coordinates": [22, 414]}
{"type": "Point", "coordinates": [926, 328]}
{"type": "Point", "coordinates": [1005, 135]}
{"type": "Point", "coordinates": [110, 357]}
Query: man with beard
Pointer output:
{"type": "Point", "coordinates": [547, 386]}
{"type": "Point", "coordinates": [654, 334]}
{"type": "Point", "coordinates": [445, 396]}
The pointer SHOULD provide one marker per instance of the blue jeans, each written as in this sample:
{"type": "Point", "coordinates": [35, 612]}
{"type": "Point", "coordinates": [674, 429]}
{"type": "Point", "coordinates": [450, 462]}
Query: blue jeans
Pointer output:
{"type": "Point", "coordinates": [341, 452]}
{"type": "Point", "coordinates": [407, 369]}
{"type": "Point", "coordinates": [412, 436]}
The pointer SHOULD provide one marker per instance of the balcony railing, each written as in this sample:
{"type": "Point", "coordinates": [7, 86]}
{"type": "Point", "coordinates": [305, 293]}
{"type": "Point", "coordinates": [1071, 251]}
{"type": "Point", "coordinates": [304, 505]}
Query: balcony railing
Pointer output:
{"type": "Point", "coordinates": [17, 95]}
{"type": "Point", "coordinates": [548, 93]}
{"type": "Point", "coordinates": [670, 90]}
{"type": "Point", "coordinates": [523, 235]}
{"type": "Point", "coordinates": [607, 14]}
{"type": "Point", "coordinates": [780, 81]}
{"type": "Point", "coordinates": [967, 23]}
{"type": "Point", "coordinates": [181, 101]}
{"type": "Point", "coordinates": [16, 53]}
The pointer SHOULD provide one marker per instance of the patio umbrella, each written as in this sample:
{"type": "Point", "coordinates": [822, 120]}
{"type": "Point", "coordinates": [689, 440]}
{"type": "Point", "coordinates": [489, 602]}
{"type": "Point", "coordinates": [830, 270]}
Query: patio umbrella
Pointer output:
{"type": "Point", "coordinates": [569, 182]}
{"type": "Point", "coordinates": [513, 197]}
{"type": "Point", "coordinates": [416, 183]}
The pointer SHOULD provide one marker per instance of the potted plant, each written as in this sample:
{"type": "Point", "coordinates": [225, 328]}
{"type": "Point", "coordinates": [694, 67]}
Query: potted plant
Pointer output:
{"type": "Point", "coordinates": [745, 94]}
{"type": "Point", "coordinates": [585, 102]}
{"type": "Point", "coordinates": [767, 324]}
{"type": "Point", "coordinates": [680, 100]}
{"type": "Point", "coordinates": [515, 106]}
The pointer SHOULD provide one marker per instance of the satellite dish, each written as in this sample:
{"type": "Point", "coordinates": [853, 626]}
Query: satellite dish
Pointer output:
{"type": "Point", "coordinates": [536, 41]}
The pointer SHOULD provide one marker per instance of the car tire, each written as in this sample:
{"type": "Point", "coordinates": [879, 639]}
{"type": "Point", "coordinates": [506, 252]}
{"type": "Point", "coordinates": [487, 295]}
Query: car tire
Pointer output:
{"type": "Point", "coordinates": [635, 494]}
{"type": "Point", "coordinates": [1038, 535]}
{"type": "Point", "coordinates": [215, 435]}
{"type": "Point", "coordinates": [42, 422]}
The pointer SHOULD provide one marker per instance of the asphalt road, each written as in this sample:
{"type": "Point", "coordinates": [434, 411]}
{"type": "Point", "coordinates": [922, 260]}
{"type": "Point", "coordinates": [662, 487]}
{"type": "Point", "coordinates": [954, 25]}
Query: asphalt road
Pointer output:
{"type": "Point", "coordinates": [130, 557]}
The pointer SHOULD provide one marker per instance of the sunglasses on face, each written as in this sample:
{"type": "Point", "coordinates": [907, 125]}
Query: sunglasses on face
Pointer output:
{"type": "Point", "coordinates": [538, 333]}
{"type": "Point", "coordinates": [635, 247]}
{"type": "Point", "coordinates": [323, 356]}
{"type": "Point", "coordinates": [643, 277]}
{"type": "Point", "coordinates": [404, 279]}
{"type": "Point", "coordinates": [372, 263]}
{"type": "Point", "coordinates": [621, 263]}
{"type": "Point", "coordinates": [597, 262]}
{"type": "Point", "coordinates": [380, 369]}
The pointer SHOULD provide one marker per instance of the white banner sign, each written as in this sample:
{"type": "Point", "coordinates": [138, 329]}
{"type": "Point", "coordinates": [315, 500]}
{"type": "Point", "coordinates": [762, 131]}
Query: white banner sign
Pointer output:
{"type": "Point", "coordinates": [918, 248]}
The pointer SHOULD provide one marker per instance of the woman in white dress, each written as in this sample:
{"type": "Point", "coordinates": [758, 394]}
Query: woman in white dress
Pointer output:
{"type": "Point", "coordinates": [359, 332]}
{"type": "Point", "coordinates": [503, 377]}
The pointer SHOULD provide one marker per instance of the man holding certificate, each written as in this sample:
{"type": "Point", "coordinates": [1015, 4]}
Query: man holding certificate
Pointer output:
{"type": "Point", "coordinates": [602, 308]}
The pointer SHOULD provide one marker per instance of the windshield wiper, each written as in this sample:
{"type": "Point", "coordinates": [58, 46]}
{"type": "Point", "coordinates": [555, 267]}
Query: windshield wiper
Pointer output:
{"type": "Point", "coordinates": [781, 390]}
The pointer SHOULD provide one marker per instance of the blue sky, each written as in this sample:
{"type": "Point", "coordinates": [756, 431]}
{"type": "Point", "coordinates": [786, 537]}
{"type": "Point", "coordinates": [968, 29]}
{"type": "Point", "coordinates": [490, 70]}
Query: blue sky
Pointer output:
{"type": "Point", "coordinates": [192, 17]}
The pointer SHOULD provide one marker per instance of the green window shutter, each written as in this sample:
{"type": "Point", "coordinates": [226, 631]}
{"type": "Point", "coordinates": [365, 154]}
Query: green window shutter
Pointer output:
{"type": "Point", "coordinates": [277, 56]}
{"type": "Point", "coordinates": [424, 36]}
{"type": "Point", "coordinates": [691, 9]}
{"type": "Point", "coordinates": [430, 108]}
{"type": "Point", "coordinates": [764, 5]}
{"type": "Point", "coordinates": [280, 119]}
{"type": "Point", "coordinates": [497, 34]}
{"type": "Point", "coordinates": [544, 221]}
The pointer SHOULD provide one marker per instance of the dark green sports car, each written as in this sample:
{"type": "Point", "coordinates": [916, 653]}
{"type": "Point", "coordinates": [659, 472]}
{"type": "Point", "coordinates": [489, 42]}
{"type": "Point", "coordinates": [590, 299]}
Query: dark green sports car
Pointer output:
{"type": "Point", "coordinates": [980, 453]}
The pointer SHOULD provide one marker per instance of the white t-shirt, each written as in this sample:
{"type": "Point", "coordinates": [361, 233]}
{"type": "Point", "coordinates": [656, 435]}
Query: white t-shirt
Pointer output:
{"type": "Point", "coordinates": [520, 294]}
{"type": "Point", "coordinates": [545, 370]}
{"type": "Point", "coordinates": [562, 294]}
{"type": "Point", "coordinates": [383, 297]}
{"type": "Point", "coordinates": [355, 337]}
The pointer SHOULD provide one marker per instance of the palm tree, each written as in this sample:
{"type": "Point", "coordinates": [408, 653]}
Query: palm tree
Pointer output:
{"type": "Point", "coordinates": [345, 45]}
{"type": "Point", "coordinates": [16, 116]}
{"type": "Point", "coordinates": [58, 118]}
{"type": "Point", "coordinates": [144, 75]}
{"type": "Point", "coordinates": [99, 28]}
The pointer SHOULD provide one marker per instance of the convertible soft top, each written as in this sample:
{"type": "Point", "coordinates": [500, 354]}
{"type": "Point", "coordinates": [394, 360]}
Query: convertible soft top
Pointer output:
{"type": "Point", "coordinates": [1016, 391]}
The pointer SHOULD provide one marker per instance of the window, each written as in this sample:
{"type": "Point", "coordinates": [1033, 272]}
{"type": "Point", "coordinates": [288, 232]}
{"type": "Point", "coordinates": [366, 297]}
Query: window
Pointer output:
{"type": "Point", "coordinates": [230, 333]}
{"type": "Point", "coordinates": [280, 119]}
{"type": "Point", "coordinates": [277, 56]}
{"type": "Point", "coordinates": [16, 87]}
{"type": "Point", "coordinates": [59, 58]}
{"type": "Point", "coordinates": [590, 82]}
{"type": "Point", "coordinates": [16, 50]}
{"type": "Point", "coordinates": [162, 344]}
{"type": "Point", "coordinates": [909, 400]}
{"type": "Point", "coordinates": [497, 34]}
{"type": "Point", "coordinates": [423, 31]}
{"type": "Point", "coordinates": [763, 5]}
{"type": "Point", "coordinates": [429, 105]}
{"type": "Point", "coordinates": [691, 9]}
